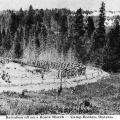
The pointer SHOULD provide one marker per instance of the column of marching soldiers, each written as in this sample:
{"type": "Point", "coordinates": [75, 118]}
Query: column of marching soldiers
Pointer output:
{"type": "Point", "coordinates": [65, 70]}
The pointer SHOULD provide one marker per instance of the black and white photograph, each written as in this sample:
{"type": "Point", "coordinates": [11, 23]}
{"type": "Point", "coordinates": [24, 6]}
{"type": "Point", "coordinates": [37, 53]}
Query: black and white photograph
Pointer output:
{"type": "Point", "coordinates": [59, 57]}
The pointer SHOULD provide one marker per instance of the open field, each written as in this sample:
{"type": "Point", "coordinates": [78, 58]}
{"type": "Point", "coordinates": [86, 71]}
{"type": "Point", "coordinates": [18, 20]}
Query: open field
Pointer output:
{"type": "Point", "coordinates": [98, 88]}
{"type": "Point", "coordinates": [104, 97]}
{"type": "Point", "coordinates": [22, 78]}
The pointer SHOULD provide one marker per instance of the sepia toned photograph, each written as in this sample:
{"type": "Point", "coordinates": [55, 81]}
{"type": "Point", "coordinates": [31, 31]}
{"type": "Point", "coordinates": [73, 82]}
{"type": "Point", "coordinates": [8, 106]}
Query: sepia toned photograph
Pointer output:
{"type": "Point", "coordinates": [59, 57]}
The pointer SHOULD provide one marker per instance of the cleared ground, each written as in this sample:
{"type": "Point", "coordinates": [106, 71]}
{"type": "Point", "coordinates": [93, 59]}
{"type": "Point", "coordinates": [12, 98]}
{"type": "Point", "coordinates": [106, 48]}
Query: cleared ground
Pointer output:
{"type": "Point", "coordinates": [22, 78]}
{"type": "Point", "coordinates": [99, 88]}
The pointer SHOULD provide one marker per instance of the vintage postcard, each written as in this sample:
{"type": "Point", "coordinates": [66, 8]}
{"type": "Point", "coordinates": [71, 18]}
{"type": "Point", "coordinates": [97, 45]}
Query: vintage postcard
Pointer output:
{"type": "Point", "coordinates": [59, 59]}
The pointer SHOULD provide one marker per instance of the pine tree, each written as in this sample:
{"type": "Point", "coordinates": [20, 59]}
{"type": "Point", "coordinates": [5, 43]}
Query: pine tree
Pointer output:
{"type": "Point", "coordinates": [21, 16]}
{"type": "Point", "coordinates": [79, 33]}
{"type": "Point", "coordinates": [99, 40]}
{"type": "Point", "coordinates": [44, 36]}
{"type": "Point", "coordinates": [14, 23]}
{"type": "Point", "coordinates": [26, 35]}
{"type": "Point", "coordinates": [102, 19]}
{"type": "Point", "coordinates": [112, 58]}
{"type": "Point", "coordinates": [38, 19]}
{"type": "Point", "coordinates": [99, 36]}
{"type": "Point", "coordinates": [3, 33]}
{"type": "Point", "coordinates": [64, 24]}
{"type": "Point", "coordinates": [17, 46]}
{"type": "Point", "coordinates": [30, 17]}
{"type": "Point", "coordinates": [0, 38]}
{"type": "Point", "coordinates": [63, 32]}
{"type": "Point", "coordinates": [90, 26]}
{"type": "Point", "coordinates": [8, 42]}
{"type": "Point", "coordinates": [79, 24]}
{"type": "Point", "coordinates": [57, 18]}
{"type": "Point", "coordinates": [41, 12]}
{"type": "Point", "coordinates": [3, 37]}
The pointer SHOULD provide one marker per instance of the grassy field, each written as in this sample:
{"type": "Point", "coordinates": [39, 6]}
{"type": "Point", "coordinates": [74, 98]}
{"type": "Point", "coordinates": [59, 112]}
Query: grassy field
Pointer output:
{"type": "Point", "coordinates": [103, 96]}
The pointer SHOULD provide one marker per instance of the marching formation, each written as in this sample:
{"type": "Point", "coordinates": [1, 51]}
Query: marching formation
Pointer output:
{"type": "Point", "coordinates": [44, 73]}
{"type": "Point", "coordinates": [65, 70]}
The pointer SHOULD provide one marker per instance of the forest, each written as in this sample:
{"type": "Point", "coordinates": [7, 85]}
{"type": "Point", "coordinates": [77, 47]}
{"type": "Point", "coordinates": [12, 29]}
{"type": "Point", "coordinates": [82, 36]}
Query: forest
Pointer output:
{"type": "Point", "coordinates": [60, 35]}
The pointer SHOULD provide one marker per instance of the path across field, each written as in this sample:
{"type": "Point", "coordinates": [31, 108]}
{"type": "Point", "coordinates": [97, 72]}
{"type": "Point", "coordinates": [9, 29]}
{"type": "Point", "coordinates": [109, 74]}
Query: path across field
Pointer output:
{"type": "Point", "coordinates": [22, 79]}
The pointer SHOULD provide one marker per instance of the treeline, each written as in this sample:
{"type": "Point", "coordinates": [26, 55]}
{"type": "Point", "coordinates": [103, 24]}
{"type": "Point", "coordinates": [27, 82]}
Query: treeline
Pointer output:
{"type": "Point", "coordinates": [60, 35]}
{"type": "Point", "coordinates": [27, 34]}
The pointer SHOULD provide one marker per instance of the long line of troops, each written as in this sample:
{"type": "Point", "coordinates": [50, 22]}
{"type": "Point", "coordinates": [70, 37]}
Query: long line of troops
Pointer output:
{"type": "Point", "coordinates": [65, 70]}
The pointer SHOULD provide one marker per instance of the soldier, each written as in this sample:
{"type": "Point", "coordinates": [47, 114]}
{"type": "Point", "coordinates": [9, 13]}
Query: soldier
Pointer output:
{"type": "Point", "coordinates": [7, 77]}
{"type": "Point", "coordinates": [58, 75]}
{"type": "Point", "coordinates": [3, 75]}
{"type": "Point", "coordinates": [60, 90]}
{"type": "Point", "coordinates": [42, 75]}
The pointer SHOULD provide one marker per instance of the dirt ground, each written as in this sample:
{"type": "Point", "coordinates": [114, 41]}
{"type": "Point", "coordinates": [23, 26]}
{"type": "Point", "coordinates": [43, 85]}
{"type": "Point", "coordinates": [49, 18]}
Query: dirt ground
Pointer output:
{"type": "Point", "coordinates": [22, 78]}
{"type": "Point", "coordinates": [101, 91]}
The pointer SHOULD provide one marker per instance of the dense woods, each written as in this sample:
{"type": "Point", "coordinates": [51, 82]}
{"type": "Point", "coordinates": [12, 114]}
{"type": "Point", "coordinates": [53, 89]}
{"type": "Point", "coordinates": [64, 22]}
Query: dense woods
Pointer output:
{"type": "Point", "coordinates": [60, 35]}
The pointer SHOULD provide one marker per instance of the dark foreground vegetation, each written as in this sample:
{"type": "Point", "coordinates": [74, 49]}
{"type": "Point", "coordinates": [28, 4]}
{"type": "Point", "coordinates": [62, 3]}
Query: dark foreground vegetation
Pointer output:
{"type": "Point", "coordinates": [102, 97]}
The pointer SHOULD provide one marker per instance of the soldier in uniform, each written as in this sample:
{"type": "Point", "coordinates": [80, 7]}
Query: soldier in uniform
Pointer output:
{"type": "Point", "coordinates": [42, 75]}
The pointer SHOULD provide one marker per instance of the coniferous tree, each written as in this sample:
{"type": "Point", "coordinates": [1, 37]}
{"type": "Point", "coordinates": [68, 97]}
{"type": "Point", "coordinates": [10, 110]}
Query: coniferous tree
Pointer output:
{"type": "Point", "coordinates": [3, 33]}
{"type": "Point", "coordinates": [79, 32]}
{"type": "Point", "coordinates": [21, 16]}
{"type": "Point", "coordinates": [99, 36]}
{"type": "Point", "coordinates": [37, 32]}
{"type": "Point", "coordinates": [57, 19]}
{"type": "Point", "coordinates": [99, 40]}
{"type": "Point", "coordinates": [64, 24]}
{"type": "Point", "coordinates": [0, 38]}
{"type": "Point", "coordinates": [112, 58]}
{"type": "Point", "coordinates": [43, 36]}
{"type": "Point", "coordinates": [90, 26]}
{"type": "Point", "coordinates": [63, 31]}
{"type": "Point", "coordinates": [79, 24]}
{"type": "Point", "coordinates": [38, 19]}
{"type": "Point", "coordinates": [3, 37]}
{"type": "Point", "coordinates": [41, 12]}
{"type": "Point", "coordinates": [14, 23]}
{"type": "Point", "coordinates": [26, 35]}
{"type": "Point", "coordinates": [8, 43]}
{"type": "Point", "coordinates": [30, 17]}
{"type": "Point", "coordinates": [17, 46]}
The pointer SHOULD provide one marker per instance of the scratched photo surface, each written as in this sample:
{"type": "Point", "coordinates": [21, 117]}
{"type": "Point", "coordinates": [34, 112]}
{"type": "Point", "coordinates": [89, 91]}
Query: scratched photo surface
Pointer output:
{"type": "Point", "coordinates": [59, 57]}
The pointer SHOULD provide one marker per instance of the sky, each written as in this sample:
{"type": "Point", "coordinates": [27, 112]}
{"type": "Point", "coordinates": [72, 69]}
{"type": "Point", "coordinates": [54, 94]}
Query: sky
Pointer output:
{"type": "Point", "coordinates": [70, 4]}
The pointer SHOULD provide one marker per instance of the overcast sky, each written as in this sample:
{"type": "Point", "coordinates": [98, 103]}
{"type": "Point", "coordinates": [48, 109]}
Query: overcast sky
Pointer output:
{"type": "Point", "coordinates": [71, 4]}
